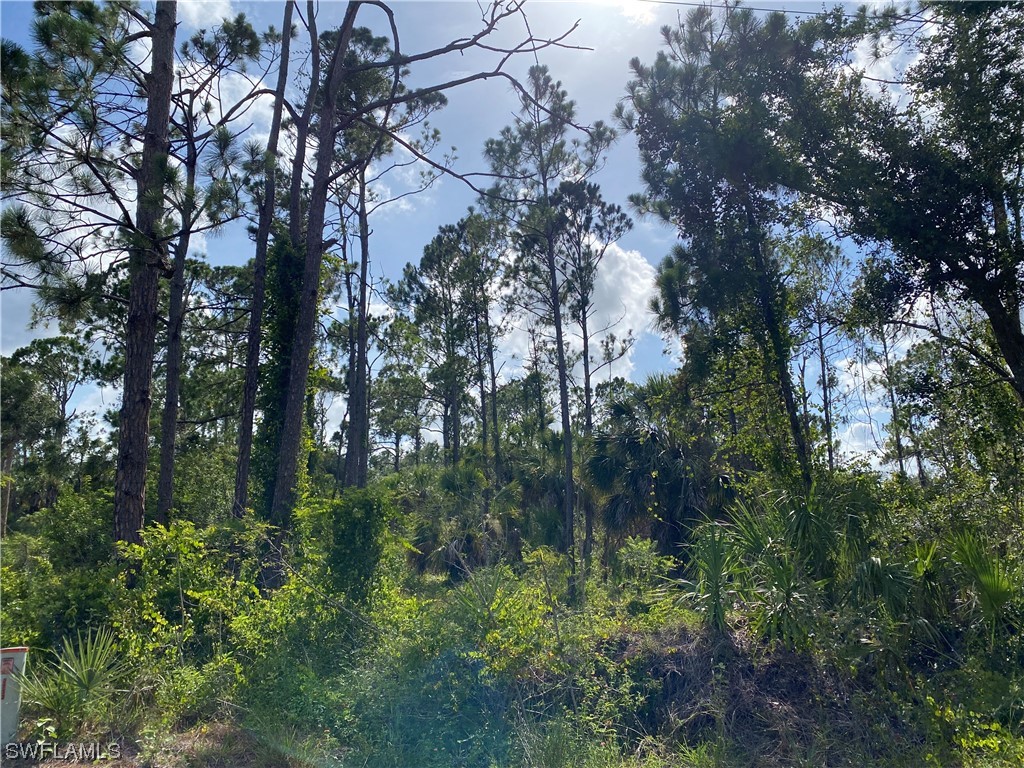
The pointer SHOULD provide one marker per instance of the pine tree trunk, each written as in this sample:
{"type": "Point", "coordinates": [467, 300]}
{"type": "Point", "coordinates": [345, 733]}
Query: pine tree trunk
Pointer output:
{"type": "Point", "coordinates": [779, 349]}
{"type": "Point", "coordinates": [357, 459]}
{"type": "Point", "coordinates": [147, 261]}
{"type": "Point", "coordinates": [6, 483]}
{"type": "Point", "coordinates": [175, 321]}
{"type": "Point", "coordinates": [295, 213]}
{"type": "Point", "coordinates": [305, 326]}
{"type": "Point", "coordinates": [259, 278]}
{"type": "Point", "coordinates": [569, 503]}
{"type": "Point", "coordinates": [826, 395]}
{"type": "Point", "coordinates": [482, 386]}
{"type": "Point", "coordinates": [496, 432]}
{"type": "Point", "coordinates": [588, 430]}
{"type": "Point", "coordinates": [890, 389]}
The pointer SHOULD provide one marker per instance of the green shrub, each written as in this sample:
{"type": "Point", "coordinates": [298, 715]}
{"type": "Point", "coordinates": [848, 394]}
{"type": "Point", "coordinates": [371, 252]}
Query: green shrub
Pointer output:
{"type": "Point", "coordinates": [186, 695]}
{"type": "Point", "coordinates": [79, 688]}
{"type": "Point", "coordinates": [709, 587]}
{"type": "Point", "coordinates": [179, 609]}
{"type": "Point", "coordinates": [992, 584]}
{"type": "Point", "coordinates": [347, 537]}
{"type": "Point", "coordinates": [58, 571]}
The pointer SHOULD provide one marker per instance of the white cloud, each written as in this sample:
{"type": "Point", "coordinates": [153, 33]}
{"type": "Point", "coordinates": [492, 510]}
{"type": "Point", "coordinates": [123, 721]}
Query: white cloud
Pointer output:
{"type": "Point", "coordinates": [622, 292]}
{"type": "Point", "coordinates": [380, 309]}
{"type": "Point", "coordinates": [139, 51]}
{"type": "Point", "coordinates": [636, 12]}
{"type": "Point", "coordinates": [622, 295]}
{"type": "Point", "coordinates": [860, 440]}
{"type": "Point", "coordinates": [203, 14]}
{"type": "Point", "coordinates": [92, 402]}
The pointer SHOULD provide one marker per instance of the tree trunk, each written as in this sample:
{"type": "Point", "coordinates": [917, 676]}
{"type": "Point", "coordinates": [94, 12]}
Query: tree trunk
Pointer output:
{"type": "Point", "coordinates": [456, 426]}
{"type": "Point", "coordinates": [1009, 336]}
{"type": "Point", "coordinates": [364, 456]}
{"type": "Point", "coordinates": [289, 272]}
{"type": "Point", "coordinates": [779, 349]}
{"type": "Point", "coordinates": [175, 320]}
{"type": "Point", "coordinates": [351, 333]}
{"type": "Point", "coordinates": [295, 214]}
{"type": "Point", "coordinates": [482, 385]}
{"type": "Point", "coordinates": [805, 397]}
{"type": "Point", "coordinates": [569, 506]}
{"type": "Point", "coordinates": [588, 391]}
{"type": "Point", "coordinates": [922, 476]}
{"type": "Point", "coordinates": [305, 326]}
{"type": "Point", "coordinates": [1002, 303]}
{"type": "Point", "coordinates": [147, 259]}
{"type": "Point", "coordinates": [826, 394]}
{"type": "Point", "coordinates": [890, 390]}
{"type": "Point", "coordinates": [254, 334]}
{"type": "Point", "coordinates": [446, 432]}
{"type": "Point", "coordinates": [496, 432]}
{"type": "Point", "coordinates": [357, 459]}
{"type": "Point", "coordinates": [6, 483]}
{"type": "Point", "coordinates": [588, 431]}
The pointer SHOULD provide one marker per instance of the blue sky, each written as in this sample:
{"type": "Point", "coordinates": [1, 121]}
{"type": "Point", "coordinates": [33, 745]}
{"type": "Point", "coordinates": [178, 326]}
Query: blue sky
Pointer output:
{"type": "Point", "coordinates": [595, 78]}
{"type": "Point", "coordinates": [608, 34]}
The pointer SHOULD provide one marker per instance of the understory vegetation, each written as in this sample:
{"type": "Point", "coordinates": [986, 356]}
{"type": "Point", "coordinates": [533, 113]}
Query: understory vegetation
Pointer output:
{"type": "Point", "coordinates": [501, 555]}
{"type": "Point", "coordinates": [790, 631]}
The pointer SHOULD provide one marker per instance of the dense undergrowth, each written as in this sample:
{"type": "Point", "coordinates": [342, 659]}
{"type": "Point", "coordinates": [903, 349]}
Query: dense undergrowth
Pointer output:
{"type": "Point", "coordinates": [702, 569]}
{"type": "Point", "coordinates": [791, 631]}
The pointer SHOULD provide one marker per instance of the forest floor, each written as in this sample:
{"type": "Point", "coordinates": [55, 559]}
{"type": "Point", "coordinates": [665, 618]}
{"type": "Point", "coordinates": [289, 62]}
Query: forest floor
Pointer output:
{"type": "Point", "coordinates": [713, 701]}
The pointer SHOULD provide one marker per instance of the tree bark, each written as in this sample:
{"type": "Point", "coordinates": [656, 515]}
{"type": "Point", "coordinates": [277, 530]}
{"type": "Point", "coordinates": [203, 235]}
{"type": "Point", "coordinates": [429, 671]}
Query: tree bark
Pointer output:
{"type": "Point", "coordinates": [305, 326]}
{"type": "Point", "coordinates": [496, 432]}
{"type": "Point", "coordinates": [569, 503]}
{"type": "Point", "coordinates": [588, 431]}
{"type": "Point", "coordinates": [295, 214]}
{"type": "Point", "coordinates": [254, 333]}
{"type": "Point", "coordinates": [826, 394]}
{"type": "Point", "coordinates": [357, 459]}
{"type": "Point", "coordinates": [147, 260]}
{"type": "Point", "coordinates": [175, 320]}
{"type": "Point", "coordinates": [1009, 336]}
{"type": "Point", "coordinates": [482, 386]}
{"type": "Point", "coordinates": [890, 390]}
{"type": "Point", "coordinates": [779, 349]}
{"type": "Point", "coordinates": [6, 483]}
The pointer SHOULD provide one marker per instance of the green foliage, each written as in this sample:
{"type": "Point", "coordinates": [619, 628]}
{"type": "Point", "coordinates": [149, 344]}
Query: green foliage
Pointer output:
{"type": "Point", "coordinates": [505, 618]}
{"type": "Point", "coordinates": [656, 478]}
{"type": "Point", "coordinates": [641, 584]}
{"type": "Point", "coordinates": [347, 536]}
{"type": "Point", "coordinates": [993, 584]}
{"type": "Point", "coordinates": [284, 279]}
{"type": "Point", "coordinates": [80, 689]}
{"type": "Point", "coordinates": [709, 564]}
{"type": "Point", "coordinates": [59, 578]}
{"type": "Point", "coordinates": [977, 740]}
{"type": "Point", "coordinates": [766, 555]}
{"type": "Point", "coordinates": [755, 601]}
{"type": "Point", "coordinates": [182, 602]}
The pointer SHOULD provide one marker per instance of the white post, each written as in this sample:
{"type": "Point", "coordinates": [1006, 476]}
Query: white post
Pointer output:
{"type": "Point", "coordinates": [12, 666]}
